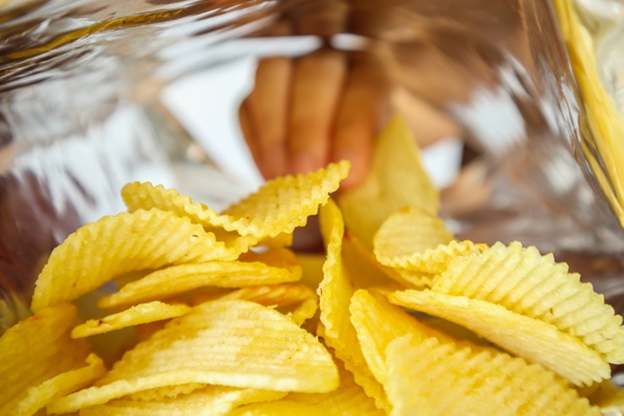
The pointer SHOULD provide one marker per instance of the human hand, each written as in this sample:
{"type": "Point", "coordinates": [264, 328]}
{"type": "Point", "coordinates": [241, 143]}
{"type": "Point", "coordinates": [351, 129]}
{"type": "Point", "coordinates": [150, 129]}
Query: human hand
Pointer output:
{"type": "Point", "coordinates": [304, 113]}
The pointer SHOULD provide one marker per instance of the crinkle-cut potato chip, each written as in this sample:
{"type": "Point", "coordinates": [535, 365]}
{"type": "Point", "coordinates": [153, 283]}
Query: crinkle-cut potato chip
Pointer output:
{"type": "Point", "coordinates": [608, 397]}
{"type": "Point", "coordinates": [140, 314]}
{"type": "Point", "coordinates": [312, 269]}
{"type": "Point", "coordinates": [171, 281]}
{"type": "Point", "coordinates": [434, 260]}
{"type": "Point", "coordinates": [377, 323]}
{"type": "Point", "coordinates": [280, 296]}
{"type": "Point", "coordinates": [207, 401]}
{"type": "Point", "coordinates": [275, 257]}
{"type": "Point", "coordinates": [36, 350]}
{"type": "Point", "coordinates": [408, 231]}
{"type": "Point", "coordinates": [396, 180]}
{"type": "Point", "coordinates": [523, 281]}
{"type": "Point", "coordinates": [335, 293]}
{"type": "Point", "coordinates": [114, 245]}
{"type": "Point", "coordinates": [429, 377]}
{"type": "Point", "coordinates": [348, 399]}
{"type": "Point", "coordinates": [231, 342]}
{"type": "Point", "coordinates": [167, 392]}
{"type": "Point", "coordinates": [278, 207]}
{"type": "Point", "coordinates": [365, 271]}
{"type": "Point", "coordinates": [144, 195]}
{"type": "Point", "coordinates": [37, 397]}
{"type": "Point", "coordinates": [529, 338]}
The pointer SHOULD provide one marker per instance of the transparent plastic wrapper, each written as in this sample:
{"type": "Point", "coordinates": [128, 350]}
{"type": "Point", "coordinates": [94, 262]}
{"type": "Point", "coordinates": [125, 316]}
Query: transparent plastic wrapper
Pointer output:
{"type": "Point", "coordinates": [94, 94]}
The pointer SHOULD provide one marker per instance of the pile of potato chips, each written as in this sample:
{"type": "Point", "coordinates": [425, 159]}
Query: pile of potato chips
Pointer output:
{"type": "Point", "coordinates": [218, 316]}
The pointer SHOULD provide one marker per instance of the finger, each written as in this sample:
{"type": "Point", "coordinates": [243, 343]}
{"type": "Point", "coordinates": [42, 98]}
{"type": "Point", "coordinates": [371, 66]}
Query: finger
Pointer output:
{"type": "Point", "coordinates": [267, 105]}
{"type": "Point", "coordinates": [246, 126]}
{"type": "Point", "coordinates": [365, 94]}
{"type": "Point", "coordinates": [317, 83]}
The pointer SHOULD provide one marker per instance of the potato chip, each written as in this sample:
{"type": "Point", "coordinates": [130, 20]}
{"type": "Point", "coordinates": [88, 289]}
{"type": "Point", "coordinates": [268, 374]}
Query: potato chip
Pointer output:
{"type": "Point", "coordinates": [277, 208]}
{"type": "Point", "coordinates": [144, 195]}
{"type": "Point", "coordinates": [362, 267]}
{"type": "Point", "coordinates": [136, 315]}
{"type": "Point", "coordinates": [335, 293]}
{"type": "Point", "coordinates": [523, 281]}
{"type": "Point", "coordinates": [119, 244]}
{"type": "Point", "coordinates": [347, 399]}
{"type": "Point", "coordinates": [37, 397]}
{"type": "Point", "coordinates": [396, 180]}
{"type": "Point", "coordinates": [608, 397]}
{"type": "Point", "coordinates": [430, 377]}
{"type": "Point", "coordinates": [432, 261]}
{"type": "Point", "coordinates": [231, 342]}
{"type": "Point", "coordinates": [171, 281]}
{"type": "Point", "coordinates": [36, 350]}
{"type": "Point", "coordinates": [408, 231]}
{"type": "Point", "coordinates": [207, 401]}
{"type": "Point", "coordinates": [283, 297]}
{"type": "Point", "coordinates": [275, 257]}
{"type": "Point", "coordinates": [377, 323]}
{"type": "Point", "coordinates": [312, 269]}
{"type": "Point", "coordinates": [534, 340]}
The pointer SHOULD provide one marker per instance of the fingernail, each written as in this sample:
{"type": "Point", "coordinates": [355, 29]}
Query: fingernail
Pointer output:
{"type": "Point", "coordinates": [302, 164]}
{"type": "Point", "coordinates": [274, 163]}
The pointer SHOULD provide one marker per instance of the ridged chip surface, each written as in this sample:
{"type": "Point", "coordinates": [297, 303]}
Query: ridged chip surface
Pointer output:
{"type": "Point", "coordinates": [37, 397]}
{"type": "Point", "coordinates": [171, 281]}
{"type": "Point", "coordinates": [115, 245]}
{"type": "Point", "coordinates": [207, 401]}
{"type": "Point", "coordinates": [335, 293]}
{"type": "Point", "coordinates": [347, 399]}
{"type": "Point", "coordinates": [529, 338]}
{"type": "Point", "coordinates": [523, 281]}
{"type": "Point", "coordinates": [277, 208]}
{"type": "Point", "coordinates": [410, 230]}
{"type": "Point", "coordinates": [429, 377]}
{"type": "Point", "coordinates": [433, 260]}
{"type": "Point", "coordinates": [136, 315]}
{"type": "Point", "coordinates": [395, 180]}
{"type": "Point", "coordinates": [34, 351]}
{"type": "Point", "coordinates": [232, 342]}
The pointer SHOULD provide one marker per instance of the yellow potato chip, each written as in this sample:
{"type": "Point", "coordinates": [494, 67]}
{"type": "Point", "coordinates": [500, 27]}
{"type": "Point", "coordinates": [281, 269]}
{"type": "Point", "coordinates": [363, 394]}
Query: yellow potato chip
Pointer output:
{"type": "Point", "coordinates": [432, 261]}
{"type": "Point", "coordinates": [144, 195]}
{"type": "Point", "coordinates": [37, 397]}
{"type": "Point", "coordinates": [207, 401]}
{"type": "Point", "coordinates": [377, 323]}
{"type": "Point", "coordinates": [608, 397]}
{"type": "Point", "coordinates": [275, 257]}
{"type": "Point", "coordinates": [362, 267]}
{"type": "Point", "coordinates": [534, 340]}
{"type": "Point", "coordinates": [312, 269]}
{"type": "Point", "coordinates": [136, 315]}
{"type": "Point", "coordinates": [396, 180]}
{"type": "Point", "coordinates": [36, 350]}
{"type": "Point", "coordinates": [347, 399]}
{"type": "Point", "coordinates": [171, 281]}
{"type": "Point", "coordinates": [335, 293]}
{"type": "Point", "coordinates": [284, 297]}
{"type": "Point", "coordinates": [523, 281]}
{"type": "Point", "coordinates": [119, 244]}
{"type": "Point", "coordinates": [426, 376]}
{"type": "Point", "coordinates": [231, 342]}
{"type": "Point", "coordinates": [277, 208]}
{"type": "Point", "coordinates": [408, 231]}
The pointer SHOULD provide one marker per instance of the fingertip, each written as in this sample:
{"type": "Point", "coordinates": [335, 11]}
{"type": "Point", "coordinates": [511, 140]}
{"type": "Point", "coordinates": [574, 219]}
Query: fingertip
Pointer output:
{"type": "Point", "coordinates": [359, 167]}
{"type": "Point", "coordinates": [273, 163]}
{"type": "Point", "coordinates": [304, 163]}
